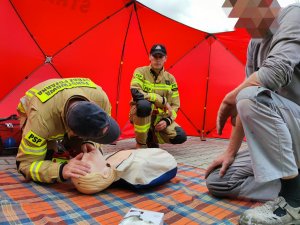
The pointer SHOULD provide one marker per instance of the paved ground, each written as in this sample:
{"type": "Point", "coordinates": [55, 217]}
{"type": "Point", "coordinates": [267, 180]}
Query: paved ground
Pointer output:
{"type": "Point", "coordinates": [193, 152]}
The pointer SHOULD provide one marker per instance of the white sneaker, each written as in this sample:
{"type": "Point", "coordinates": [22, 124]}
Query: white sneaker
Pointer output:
{"type": "Point", "coordinates": [276, 212]}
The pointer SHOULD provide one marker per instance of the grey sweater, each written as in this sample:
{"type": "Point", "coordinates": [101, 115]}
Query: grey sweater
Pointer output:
{"type": "Point", "coordinates": [276, 58]}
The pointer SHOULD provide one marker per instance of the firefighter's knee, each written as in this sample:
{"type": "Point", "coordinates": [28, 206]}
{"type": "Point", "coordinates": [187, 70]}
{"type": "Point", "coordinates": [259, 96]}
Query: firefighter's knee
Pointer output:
{"type": "Point", "coordinates": [143, 108]}
{"type": "Point", "coordinates": [180, 136]}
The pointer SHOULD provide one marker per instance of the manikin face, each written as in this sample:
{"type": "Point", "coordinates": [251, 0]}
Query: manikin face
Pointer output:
{"type": "Point", "coordinates": [257, 16]}
{"type": "Point", "coordinates": [157, 61]}
{"type": "Point", "coordinates": [97, 162]}
{"type": "Point", "coordinates": [100, 177]}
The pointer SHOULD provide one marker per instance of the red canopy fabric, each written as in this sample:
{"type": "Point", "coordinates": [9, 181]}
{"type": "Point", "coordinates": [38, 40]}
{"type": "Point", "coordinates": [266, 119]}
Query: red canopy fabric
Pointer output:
{"type": "Point", "coordinates": [106, 41]}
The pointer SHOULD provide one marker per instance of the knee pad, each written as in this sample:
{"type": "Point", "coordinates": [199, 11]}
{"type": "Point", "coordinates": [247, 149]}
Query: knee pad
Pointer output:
{"type": "Point", "coordinates": [180, 136]}
{"type": "Point", "coordinates": [143, 108]}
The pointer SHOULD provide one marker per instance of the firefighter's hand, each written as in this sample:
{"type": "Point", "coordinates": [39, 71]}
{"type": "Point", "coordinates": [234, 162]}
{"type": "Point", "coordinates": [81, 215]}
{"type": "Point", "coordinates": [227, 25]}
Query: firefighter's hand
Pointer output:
{"type": "Point", "coordinates": [223, 161]}
{"type": "Point", "coordinates": [87, 147]}
{"type": "Point", "coordinates": [227, 109]}
{"type": "Point", "coordinates": [169, 109]}
{"type": "Point", "coordinates": [161, 125]}
{"type": "Point", "coordinates": [76, 168]}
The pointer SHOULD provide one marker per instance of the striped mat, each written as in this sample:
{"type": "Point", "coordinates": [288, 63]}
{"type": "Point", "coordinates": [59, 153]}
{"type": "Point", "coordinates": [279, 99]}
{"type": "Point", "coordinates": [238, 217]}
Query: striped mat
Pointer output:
{"type": "Point", "coordinates": [184, 200]}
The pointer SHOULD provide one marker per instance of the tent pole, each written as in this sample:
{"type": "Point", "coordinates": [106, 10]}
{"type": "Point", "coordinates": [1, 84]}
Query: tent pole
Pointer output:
{"type": "Point", "coordinates": [121, 68]}
{"type": "Point", "coordinates": [203, 137]}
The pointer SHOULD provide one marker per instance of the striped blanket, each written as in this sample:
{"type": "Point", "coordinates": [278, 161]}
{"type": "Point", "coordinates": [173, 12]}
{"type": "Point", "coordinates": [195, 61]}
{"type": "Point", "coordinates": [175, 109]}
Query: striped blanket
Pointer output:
{"type": "Point", "coordinates": [184, 200]}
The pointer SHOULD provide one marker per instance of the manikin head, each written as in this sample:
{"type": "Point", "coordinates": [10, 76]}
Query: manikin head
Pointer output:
{"type": "Point", "coordinates": [102, 174]}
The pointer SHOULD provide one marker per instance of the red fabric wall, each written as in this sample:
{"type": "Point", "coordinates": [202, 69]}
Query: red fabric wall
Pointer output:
{"type": "Point", "coordinates": [106, 41]}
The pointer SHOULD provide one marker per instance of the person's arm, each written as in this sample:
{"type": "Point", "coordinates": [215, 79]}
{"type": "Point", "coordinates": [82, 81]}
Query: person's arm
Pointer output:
{"type": "Point", "coordinates": [174, 99]}
{"type": "Point", "coordinates": [228, 106]}
{"type": "Point", "coordinates": [33, 165]}
{"type": "Point", "coordinates": [227, 158]}
{"type": "Point", "coordinates": [277, 69]}
{"type": "Point", "coordinates": [142, 89]}
{"type": "Point", "coordinates": [31, 162]}
{"type": "Point", "coordinates": [228, 109]}
{"type": "Point", "coordinates": [172, 105]}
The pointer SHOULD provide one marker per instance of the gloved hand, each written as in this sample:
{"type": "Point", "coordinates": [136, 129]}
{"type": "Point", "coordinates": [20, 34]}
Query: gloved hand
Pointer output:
{"type": "Point", "coordinates": [168, 109]}
{"type": "Point", "coordinates": [161, 125]}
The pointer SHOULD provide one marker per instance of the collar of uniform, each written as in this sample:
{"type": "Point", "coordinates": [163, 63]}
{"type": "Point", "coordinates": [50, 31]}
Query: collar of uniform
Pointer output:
{"type": "Point", "coordinates": [64, 112]}
{"type": "Point", "coordinates": [159, 76]}
{"type": "Point", "coordinates": [154, 73]}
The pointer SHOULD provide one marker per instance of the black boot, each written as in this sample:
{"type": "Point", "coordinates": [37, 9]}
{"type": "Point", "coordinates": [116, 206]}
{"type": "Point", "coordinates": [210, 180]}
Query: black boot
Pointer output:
{"type": "Point", "coordinates": [151, 143]}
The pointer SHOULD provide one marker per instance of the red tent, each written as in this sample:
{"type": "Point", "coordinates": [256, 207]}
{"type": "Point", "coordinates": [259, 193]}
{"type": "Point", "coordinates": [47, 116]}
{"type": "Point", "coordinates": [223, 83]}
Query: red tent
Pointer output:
{"type": "Point", "coordinates": [106, 41]}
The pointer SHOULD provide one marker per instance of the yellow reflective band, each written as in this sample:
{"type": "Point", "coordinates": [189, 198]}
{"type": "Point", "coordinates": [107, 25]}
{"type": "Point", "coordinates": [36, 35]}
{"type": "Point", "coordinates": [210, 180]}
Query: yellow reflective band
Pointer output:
{"type": "Point", "coordinates": [34, 170]}
{"type": "Point", "coordinates": [30, 92]}
{"type": "Point", "coordinates": [159, 138]}
{"type": "Point", "coordinates": [148, 82]}
{"type": "Point", "coordinates": [157, 86]}
{"type": "Point", "coordinates": [160, 111]}
{"type": "Point", "coordinates": [59, 160]}
{"type": "Point", "coordinates": [175, 94]}
{"type": "Point", "coordinates": [174, 114]}
{"type": "Point", "coordinates": [143, 128]}
{"type": "Point", "coordinates": [152, 97]}
{"type": "Point", "coordinates": [59, 136]}
{"type": "Point", "coordinates": [138, 76]}
{"type": "Point", "coordinates": [162, 85]}
{"type": "Point", "coordinates": [147, 87]}
{"type": "Point", "coordinates": [21, 108]}
{"type": "Point", "coordinates": [162, 88]}
{"type": "Point", "coordinates": [33, 150]}
{"type": "Point", "coordinates": [157, 119]}
{"type": "Point", "coordinates": [34, 138]}
{"type": "Point", "coordinates": [136, 81]}
{"type": "Point", "coordinates": [50, 90]}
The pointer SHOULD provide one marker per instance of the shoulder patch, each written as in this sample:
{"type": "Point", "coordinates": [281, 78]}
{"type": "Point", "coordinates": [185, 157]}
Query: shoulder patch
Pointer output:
{"type": "Point", "coordinates": [139, 76]}
{"type": "Point", "coordinates": [34, 139]}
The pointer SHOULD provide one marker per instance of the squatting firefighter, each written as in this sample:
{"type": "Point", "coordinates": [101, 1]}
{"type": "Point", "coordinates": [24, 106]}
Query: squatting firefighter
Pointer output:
{"type": "Point", "coordinates": [155, 102]}
{"type": "Point", "coordinates": [60, 119]}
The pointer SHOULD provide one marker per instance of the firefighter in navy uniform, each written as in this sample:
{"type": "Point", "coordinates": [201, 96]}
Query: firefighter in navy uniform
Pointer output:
{"type": "Point", "coordinates": [155, 102]}
{"type": "Point", "coordinates": [62, 117]}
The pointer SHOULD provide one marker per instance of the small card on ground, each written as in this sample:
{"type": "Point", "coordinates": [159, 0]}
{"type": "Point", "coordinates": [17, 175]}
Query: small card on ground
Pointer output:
{"type": "Point", "coordinates": [142, 217]}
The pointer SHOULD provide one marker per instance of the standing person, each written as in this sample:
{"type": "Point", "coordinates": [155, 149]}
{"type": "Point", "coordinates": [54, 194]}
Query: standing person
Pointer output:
{"type": "Point", "coordinates": [155, 102]}
{"type": "Point", "coordinates": [62, 118]}
{"type": "Point", "coordinates": [266, 109]}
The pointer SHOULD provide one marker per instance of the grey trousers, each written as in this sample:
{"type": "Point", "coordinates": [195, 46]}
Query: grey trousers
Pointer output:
{"type": "Point", "coordinates": [272, 127]}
